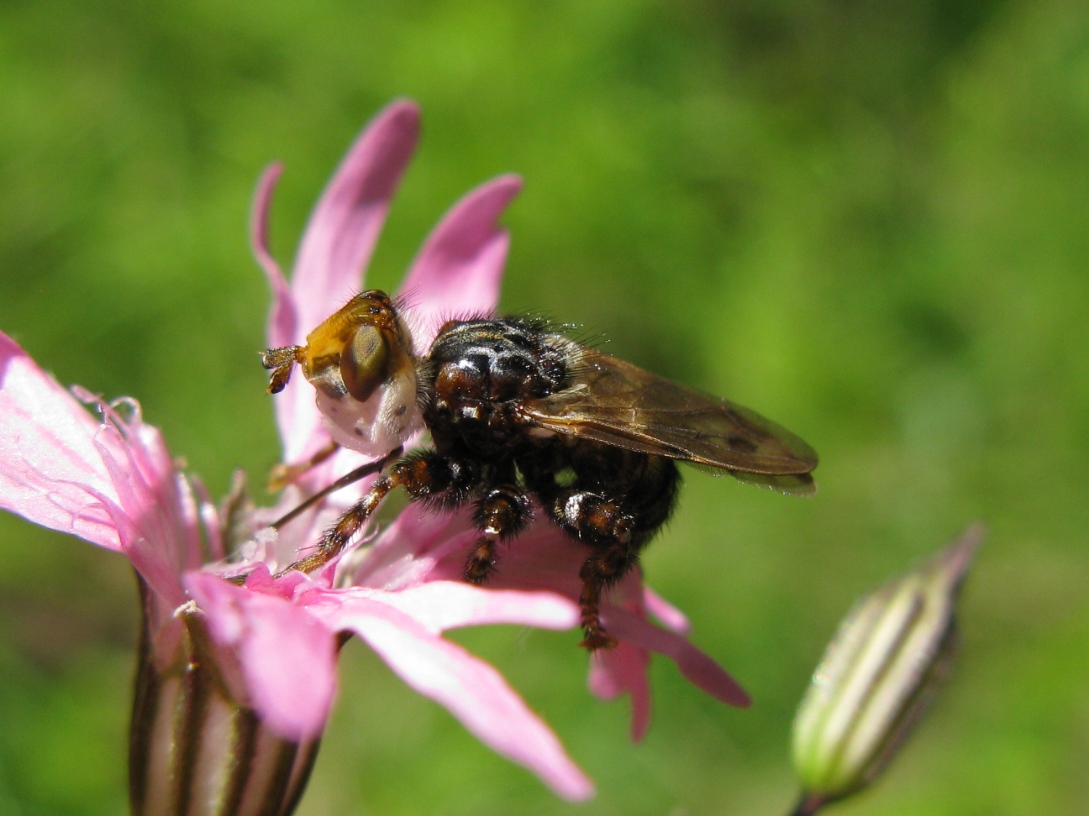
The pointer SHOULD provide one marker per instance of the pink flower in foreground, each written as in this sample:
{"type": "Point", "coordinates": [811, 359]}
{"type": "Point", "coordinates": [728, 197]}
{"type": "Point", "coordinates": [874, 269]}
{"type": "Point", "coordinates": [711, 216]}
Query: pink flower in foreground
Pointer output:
{"type": "Point", "coordinates": [235, 682]}
{"type": "Point", "coordinates": [232, 671]}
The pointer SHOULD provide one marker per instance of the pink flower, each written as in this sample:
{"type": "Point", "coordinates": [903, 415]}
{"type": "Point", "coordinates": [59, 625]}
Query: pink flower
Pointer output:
{"type": "Point", "coordinates": [262, 653]}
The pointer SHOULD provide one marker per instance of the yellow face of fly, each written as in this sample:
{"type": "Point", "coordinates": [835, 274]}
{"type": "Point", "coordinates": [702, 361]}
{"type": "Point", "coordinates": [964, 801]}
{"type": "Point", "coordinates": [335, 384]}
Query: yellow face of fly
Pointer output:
{"type": "Point", "coordinates": [361, 365]}
{"type": "Point", "coordinates": [358, 348]}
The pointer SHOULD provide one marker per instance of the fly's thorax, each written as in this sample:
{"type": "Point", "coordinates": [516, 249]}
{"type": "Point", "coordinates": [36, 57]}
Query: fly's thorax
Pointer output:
{"type": "Point", "coordinates": [479, 371]}
{"type": "Point", "coordinates": [360, 362]}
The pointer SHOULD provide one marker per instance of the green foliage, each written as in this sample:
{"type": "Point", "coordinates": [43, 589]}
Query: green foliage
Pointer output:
{"type": "Point", "coordinates": [868, 221]}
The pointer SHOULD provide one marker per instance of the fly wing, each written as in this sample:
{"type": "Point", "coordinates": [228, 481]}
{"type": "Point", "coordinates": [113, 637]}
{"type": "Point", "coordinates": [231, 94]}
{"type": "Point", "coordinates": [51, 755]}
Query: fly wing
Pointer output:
{"type": "Point", "coordinates": [620, 404]}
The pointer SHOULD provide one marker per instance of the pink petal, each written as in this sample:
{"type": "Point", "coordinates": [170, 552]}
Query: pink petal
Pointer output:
{"type": "Point", "coordinates": [458, 270]}
{"type": "Point", "coordinates": [407, 552]}
{"type": "Point", "coordinates": [51, 472]}
{"type": "Point", "coordinates": [350, 213]}
{"type": "Point", "coordinates": [153, 546]}
{"type": "Point", "coordinates": [469, 688]}
{"type": "Point", "coordinates": [295, 407]}
{"type": "Point", "coordinates": [670, 616]}
{"type": "Point", "coordinates": [542, 558]}
{"type": "Point", "coordinates": [701, 670]}
{"type": "Point", "coordinates": [427, 548]}
{"type": "Point", "coordinates": [442, 605]}
{"type": "Point", "coordinates": [287, 656]}
{"type": "Point", "coordinates": [338, 242]}
{"type": "Point", "coordinates": [153, 509]}
{"type": "Point", "coordinates": [283, 320]}
{"type": "Point", "coordinates": [624, 670]}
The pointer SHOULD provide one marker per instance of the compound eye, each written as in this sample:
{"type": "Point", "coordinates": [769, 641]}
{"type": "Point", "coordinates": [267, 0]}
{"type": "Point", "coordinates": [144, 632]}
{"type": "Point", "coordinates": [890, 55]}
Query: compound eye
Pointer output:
{"type": "Point", "coordinates": [365, 361]}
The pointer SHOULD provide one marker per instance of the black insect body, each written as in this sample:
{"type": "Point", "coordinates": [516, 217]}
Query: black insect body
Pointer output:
{"type": "Point", "coordinates": [478, 379]}
{"type": "Point", "coordinates": [517, 413]}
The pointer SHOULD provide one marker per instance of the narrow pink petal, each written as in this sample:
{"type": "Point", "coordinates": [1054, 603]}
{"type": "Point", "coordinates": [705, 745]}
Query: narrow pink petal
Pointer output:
{"type": "Point", "coordinates": [335, 248]}
{"type": "Point", "coordinates": [670, 616]}
{"type": "Point", "coordinates": [286, 655]}
{"type": "Point", "coordinates": [458, 270]}
{"type": "Point", "coordinates": [206, 516]}
{"type": "Point", "coordinates": [151, 504]}
{"type": "Point", "coordinates": [163, 517]}
{"type": "Point", "coordinates": [259, 579]}
{"type": "Point", "coordinates": [700, 669]}
{"type": "Point", "coordinates": [294, 408]}
{"type": "Point", "coordinates": [350, 213]}
{"type": "Point", "coordinates": [145, 526]}
{"type": "Point", "coordinates": [50, 470]}
{"type": "Point", "coordinates": [282, 318]}
{"type": "Point", "coordinates": [624, 670]}
{"type": "Point", "coordinates": [469, 688]}
{"type": "Point", "coordinates": [442, 605]}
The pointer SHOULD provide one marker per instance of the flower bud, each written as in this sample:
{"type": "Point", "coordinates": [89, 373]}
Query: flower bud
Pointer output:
{"type": "Point", "coordinates": [877, 677]}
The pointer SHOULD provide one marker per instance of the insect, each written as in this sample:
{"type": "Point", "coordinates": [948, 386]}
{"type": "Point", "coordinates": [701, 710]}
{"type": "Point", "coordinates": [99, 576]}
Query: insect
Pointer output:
{"type": "Point", "coordinates": [518, 413]}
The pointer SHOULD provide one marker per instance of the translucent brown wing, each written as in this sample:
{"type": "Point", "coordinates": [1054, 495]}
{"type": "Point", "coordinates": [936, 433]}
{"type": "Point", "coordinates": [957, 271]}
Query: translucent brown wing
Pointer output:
{"type": "Point", "coordinates": [620, 404]}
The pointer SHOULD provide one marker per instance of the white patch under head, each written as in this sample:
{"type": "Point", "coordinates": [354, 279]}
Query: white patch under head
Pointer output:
{"type": "Point", "coordinates": [377, 426]}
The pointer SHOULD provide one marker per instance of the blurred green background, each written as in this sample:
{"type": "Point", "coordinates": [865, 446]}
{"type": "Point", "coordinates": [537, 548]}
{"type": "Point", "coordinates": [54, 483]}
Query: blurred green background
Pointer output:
{"type": "Point", "coordinates": [867, 220]}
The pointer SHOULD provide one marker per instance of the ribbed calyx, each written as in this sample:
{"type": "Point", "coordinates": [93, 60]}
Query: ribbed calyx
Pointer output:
{"type": "Point", "coordinates": [195, 749]}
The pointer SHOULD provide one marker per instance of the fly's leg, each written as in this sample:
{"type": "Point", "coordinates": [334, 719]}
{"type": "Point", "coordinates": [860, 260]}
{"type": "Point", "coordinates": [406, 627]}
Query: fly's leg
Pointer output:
{"type": "Point", "coordinates": [427, 476]}
{"type": "Point", "coordinates": [345, 480]}
{"type": "Point", "coordinates": [610, 532]}
{"type": "Point", "coordinates": [336, 538]}
{"type": "Point", "coordinates": [501, 514]}
{"type": "Point", "coordinates": [285, 473]}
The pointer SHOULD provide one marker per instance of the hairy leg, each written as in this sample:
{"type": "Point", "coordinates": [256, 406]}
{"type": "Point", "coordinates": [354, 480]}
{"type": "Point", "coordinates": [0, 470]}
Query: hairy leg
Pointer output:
{"type": "Point", "coordinates": [608, 528]}
{"type": "Point", "coordinates": [501, 514]}
{"type": "Point", "coordinates": [427, 476]}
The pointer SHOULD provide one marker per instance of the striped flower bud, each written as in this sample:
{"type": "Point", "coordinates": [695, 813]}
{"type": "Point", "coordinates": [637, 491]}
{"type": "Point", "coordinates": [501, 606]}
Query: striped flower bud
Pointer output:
{"type": "Point", "coordinates": [877, 678]}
